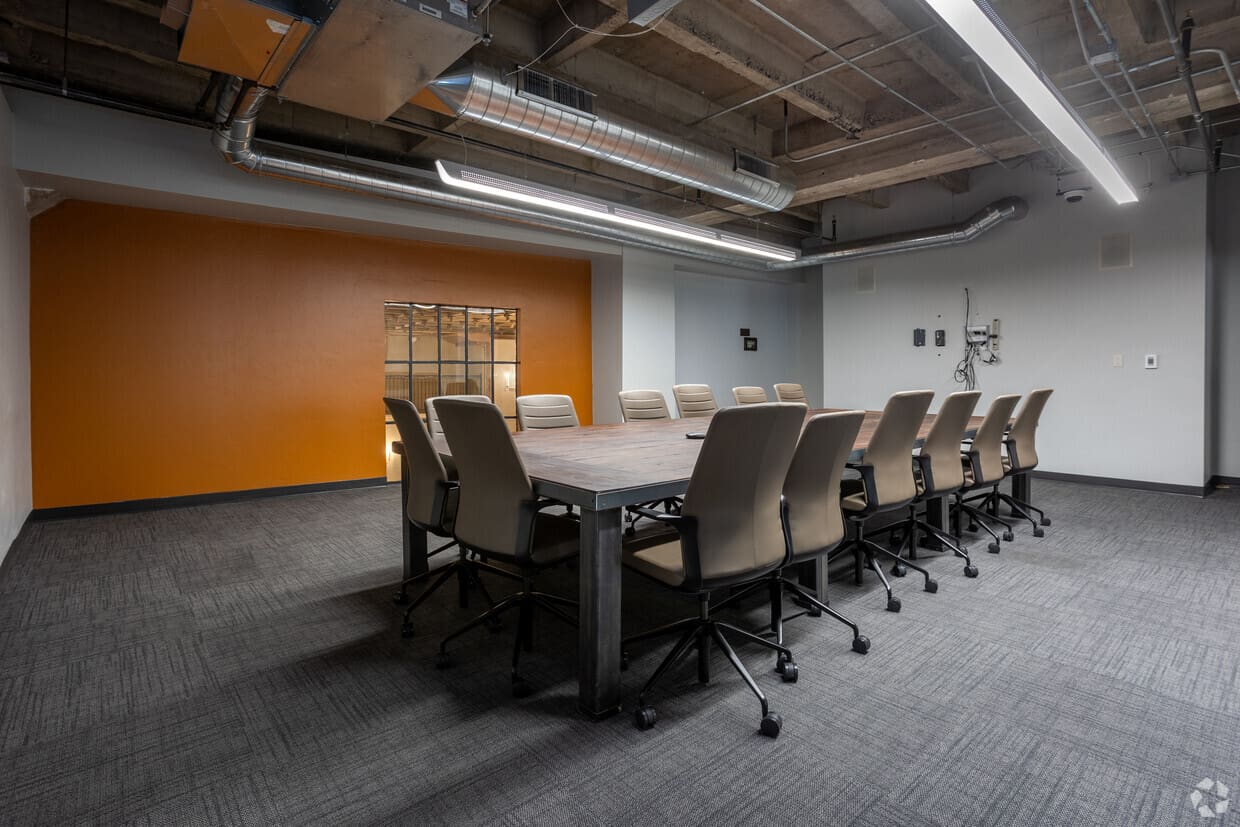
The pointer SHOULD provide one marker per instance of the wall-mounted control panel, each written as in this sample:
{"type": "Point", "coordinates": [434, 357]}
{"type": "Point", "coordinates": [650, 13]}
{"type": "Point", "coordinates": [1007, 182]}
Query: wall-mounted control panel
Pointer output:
{"type": "Point", "coordinates": [977, 334]}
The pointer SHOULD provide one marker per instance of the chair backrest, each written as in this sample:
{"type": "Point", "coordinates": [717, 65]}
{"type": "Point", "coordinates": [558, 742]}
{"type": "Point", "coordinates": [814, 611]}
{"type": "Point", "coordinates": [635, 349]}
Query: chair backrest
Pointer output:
{"type": "Point", "coordinates": [432, 416]}
{"type": "Point", "coordinates": [734, 494]}
{"type": "Point", "coordinates": [749, 395]}
{"type": "Point", "coordinates": [543, 411]}
{"type": "Point", "coordinates": [815, 520]}
{"type": "Point", "coordinates": [986, 453]}
{"type": "Point", "coordinates": [496, 496]}
{"type": "Point", "coordinates": [1022, 447]}
{"type": "Point", "coordinates": [428, 478]}
{"type": "Point", "coordinates": [890, 450]}
{"type": "Point", "coordinates": [643, 404]}
{"type": "Point", "coordinates": [791, 392]}
{"type": "Point", "coordinates": [940, 453]}
{"type": "Point", "coordinates": [694, 400]}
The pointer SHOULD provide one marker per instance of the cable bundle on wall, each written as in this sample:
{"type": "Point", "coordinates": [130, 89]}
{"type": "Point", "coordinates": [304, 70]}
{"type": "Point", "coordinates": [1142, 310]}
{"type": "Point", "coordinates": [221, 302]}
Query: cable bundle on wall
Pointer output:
{"type": "Point", "coordinates": [974, 352]}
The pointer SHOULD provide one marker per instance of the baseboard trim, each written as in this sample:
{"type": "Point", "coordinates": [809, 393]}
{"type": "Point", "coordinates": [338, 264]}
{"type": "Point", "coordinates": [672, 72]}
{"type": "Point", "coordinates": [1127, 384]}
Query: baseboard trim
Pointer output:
{"type": "Point", "coordinates": [1217, 480]}
{"type": "Point", "coordinates": [1115, 482]}
{"type": "Point", "coordinates": [129, 506]}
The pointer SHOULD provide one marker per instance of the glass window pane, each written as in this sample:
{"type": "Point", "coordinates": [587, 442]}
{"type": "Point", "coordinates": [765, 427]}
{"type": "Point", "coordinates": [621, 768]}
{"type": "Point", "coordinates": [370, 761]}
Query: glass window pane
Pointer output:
{"type": "Point", "coordinates": [396, 330]}
{"type": "Point", "coordinates": [479, 334]}
{"type": "Point", "coordinates": [395, 384]}
{"type": "Point", "coordinates": [506, 336]}
{"type": "Point", "coordinates": [425, 385]}
{"type": "Point", "coordinates": [425, 333]}
{"type": "Point", "coordinates": [512, 425]}
{"type": "Point", "coordinates": [479, 377]}
{"type": "Point", "coordinates": [452, 334]}
{"type": "Point", "coordinates": [393, 459]}
{"type": "Point", "coordinates": [454, 383]}
{"type": "Point", "coordinates": [505, 389]}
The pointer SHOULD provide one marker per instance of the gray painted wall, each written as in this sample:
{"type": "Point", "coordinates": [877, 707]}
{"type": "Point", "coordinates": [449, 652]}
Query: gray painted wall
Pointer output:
{"type": "Point", "coordinates": [1063, 318]}
{"type": "Point", "coordinates": [15, 492]}
{"type": "Point", "coordinates": [1225, 235]}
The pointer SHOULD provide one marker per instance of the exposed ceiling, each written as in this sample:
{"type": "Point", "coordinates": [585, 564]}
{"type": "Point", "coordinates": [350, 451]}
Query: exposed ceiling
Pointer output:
{"type": "Point", "coordinates": [717, 73]}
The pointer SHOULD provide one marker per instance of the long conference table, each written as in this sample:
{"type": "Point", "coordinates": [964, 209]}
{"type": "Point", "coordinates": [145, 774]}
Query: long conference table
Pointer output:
{"type": "Point", "coordinates": [601, 469]}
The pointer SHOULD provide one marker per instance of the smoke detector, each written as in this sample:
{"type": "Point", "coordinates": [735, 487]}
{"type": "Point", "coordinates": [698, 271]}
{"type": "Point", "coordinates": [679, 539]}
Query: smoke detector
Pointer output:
{"type": "Point", "coordinates": [1075, 195]}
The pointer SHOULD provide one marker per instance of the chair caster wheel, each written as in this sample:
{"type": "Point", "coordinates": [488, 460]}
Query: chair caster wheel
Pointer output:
{"type": "Point", "coordinates": [645, 717]}
{"type": "Point", "coordinates": [813, 611]}
{"type": "Point", "coordinates": [1038, 531]}
{"type": "Point", "coordinates": [970, 571]}
{"type": "Point", "coordinates": [932, 586]}
{"type": "Point", "coordinates": [893, 604]}
{"type": "Point", "coordinates": [993, 548]}
{"type": "Point", "coordinates": [630, 532]}
{"type": "Point", "coordinates": [406, 630]}
{"type": "Point", "coordinates": [771, 725]}
{"type": "Point", "coordinates": [972, 529]}
{"type": "Point", "coordinates": [1046, 521]}
{"type": "Point", "coordinates": [400, 598]}
{"type": "Point", "coordinates": [899, 569]}
{"type": "Point", "coordinates": [780, 664]}
{"type": "Point", "coordinates": [521, 688]}
{"type": "Point", "coordinates": [624, 661]}
{"type": "Point", "coordinates": [790, 672]}
{"type": "Point", "coordinates": [1008, 537]}
{"type": "Point", "coordinates": [861, 644]}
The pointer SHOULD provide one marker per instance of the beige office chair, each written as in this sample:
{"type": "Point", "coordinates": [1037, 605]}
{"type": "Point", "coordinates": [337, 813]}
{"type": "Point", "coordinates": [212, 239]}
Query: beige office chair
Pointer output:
{"type": "Point", "coordinates": [500, 516]}
{"type": "Point", "coordinates": [432, 418]}
{"type": "Point", "coordinates": [643, 405]}
{"type": "Point", "coordinates": [730, 533]}
{"type": "Point", "coordinates": [694, 400]}
{"type": "Point", "coordinates": [431, 505]}
{"type": "Point", "coordinates": [983, 471]}
{"type": "Point", "coordinates": [749, 395]}
{"type": "Point", "coordinates": [886, 484]}
{"type": "Point", "coordinates": [938, 473]}
{"type": "Point", "coordinates": [544, 411]}
{"type": "Point", "coordinates": [1022, 457]}
{"type": "Point", "coordinates": [791, 392]}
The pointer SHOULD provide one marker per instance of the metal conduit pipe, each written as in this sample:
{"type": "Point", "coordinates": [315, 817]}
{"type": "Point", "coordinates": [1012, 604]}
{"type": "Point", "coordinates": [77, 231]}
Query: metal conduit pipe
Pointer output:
{"type": "Point", "coordinates": [851, 145]}
{"type": "Point", "coordinates": [1080, 36]}
{"type": "Point", "coordinates": [234, 138]}
{"type": "Point", "coordinates": [1185, 68]}
{"type": "Point", "coordinates": [1006, 209]}
{"type": "Point", "coordinates": [1226, 61]}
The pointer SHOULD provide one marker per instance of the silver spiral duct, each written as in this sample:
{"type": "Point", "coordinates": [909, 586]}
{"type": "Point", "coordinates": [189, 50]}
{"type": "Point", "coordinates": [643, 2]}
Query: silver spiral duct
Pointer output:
{"type": "Point", "coordinates": [1002, 210]}
{"type": "Point", "coordinates": [477, 94]}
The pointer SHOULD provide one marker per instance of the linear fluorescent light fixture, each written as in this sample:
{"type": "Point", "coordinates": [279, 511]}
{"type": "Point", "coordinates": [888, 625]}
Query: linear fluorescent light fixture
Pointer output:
{"type": "Point", "coordinates": [513, 189]}
{"type": "Point", "coordinates": [983, 30]}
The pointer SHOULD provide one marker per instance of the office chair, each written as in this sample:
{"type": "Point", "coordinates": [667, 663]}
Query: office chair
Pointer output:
{"type": "Point", "coordinates": [500, 516]}
{"type": "Point", "coordinates": [431, 507]}
{"type": "Point", "coordinates": [694, 400]}
{"type": "Point", "coordinates": [886, 484]}
{"type": "Point", "coordinates": [642, 405]}
{"type": "Point", "coordinates": [791, 392]}
{"type": "Point", "coordinates": [1022, 457]}
{"type": "Point", "coordinates": [749, 395]}
{"type": "Point", "coordinates": [730, 532]}
{"type": "Point", "coordinates": [432, 418]}
{"type": "Point", "coordinates": [544, 411]}
{"type": "Point", "coordinates": [939, 473]}
{"type": "Point", "coordinates": [983, 471]}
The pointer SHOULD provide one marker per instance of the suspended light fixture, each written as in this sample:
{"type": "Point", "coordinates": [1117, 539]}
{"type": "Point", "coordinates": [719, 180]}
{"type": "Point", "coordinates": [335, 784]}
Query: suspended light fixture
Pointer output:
{"type": "Point", "coordinates": [979, 26]}
{"type": "Point", "coordinates": [513, 189]}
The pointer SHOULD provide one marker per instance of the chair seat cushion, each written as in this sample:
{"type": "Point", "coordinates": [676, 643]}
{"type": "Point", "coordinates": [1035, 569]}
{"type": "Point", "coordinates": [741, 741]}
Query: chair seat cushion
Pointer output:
{"type": "Point", "coordinates": [663, 562]}
{"type": "Point", "coordinates": [556, 538]}
{"type": "Point", "coordinates": [852, 495]}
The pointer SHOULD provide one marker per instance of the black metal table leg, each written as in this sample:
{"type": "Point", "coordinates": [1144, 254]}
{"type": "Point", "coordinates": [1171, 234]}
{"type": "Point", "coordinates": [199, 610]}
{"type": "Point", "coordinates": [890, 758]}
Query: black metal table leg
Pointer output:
{"type": "Point", "coordinates": [936, 515]}
{"type": "Point", "coordinates": [598, 641]}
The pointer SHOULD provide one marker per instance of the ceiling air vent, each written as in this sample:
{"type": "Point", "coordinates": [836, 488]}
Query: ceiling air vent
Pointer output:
{"type": "Point", "coordinates": [752, 164]}
{"type": "Point", "coordinates": [532, 84]}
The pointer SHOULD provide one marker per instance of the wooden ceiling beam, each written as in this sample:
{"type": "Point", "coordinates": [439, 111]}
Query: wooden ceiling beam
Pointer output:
{"type": "Point", "coordinates": [957, 183]}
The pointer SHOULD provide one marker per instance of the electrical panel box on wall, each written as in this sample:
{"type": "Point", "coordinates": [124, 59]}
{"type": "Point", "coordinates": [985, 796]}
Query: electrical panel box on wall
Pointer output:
{"type": "Point", "coordinates": [977, 334]}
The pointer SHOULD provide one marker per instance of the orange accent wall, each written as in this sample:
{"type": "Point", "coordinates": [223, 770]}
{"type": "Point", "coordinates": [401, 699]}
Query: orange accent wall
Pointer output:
{"type": "Point", "coordinates": [175, 354]}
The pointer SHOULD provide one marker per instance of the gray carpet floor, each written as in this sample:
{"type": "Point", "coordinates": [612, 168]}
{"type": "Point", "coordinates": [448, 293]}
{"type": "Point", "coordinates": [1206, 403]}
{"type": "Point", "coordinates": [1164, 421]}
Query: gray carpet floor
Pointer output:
{"type": "Point", "coordinates": [240, 664]}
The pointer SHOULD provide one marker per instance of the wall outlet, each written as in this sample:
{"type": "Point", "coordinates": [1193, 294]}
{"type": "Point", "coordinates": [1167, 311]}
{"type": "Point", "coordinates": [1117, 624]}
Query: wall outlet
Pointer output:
{"type": "Point", "coordinates": [919, 337]}
{"type": "Point", "coordinates": [1151, 361]}
{"type": "Point", "coordinates": [1117, 360]}
{"type": "Point", "coordinates": [940, 338]}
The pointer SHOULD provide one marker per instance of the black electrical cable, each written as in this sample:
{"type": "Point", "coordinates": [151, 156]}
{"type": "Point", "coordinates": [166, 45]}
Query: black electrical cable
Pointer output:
{"type": "Point", "coordinates": [966, 368]}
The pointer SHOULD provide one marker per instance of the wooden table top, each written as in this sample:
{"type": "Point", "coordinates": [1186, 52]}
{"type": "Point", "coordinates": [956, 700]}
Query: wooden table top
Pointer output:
{"type": "Point", "coordinates": [608, 466]}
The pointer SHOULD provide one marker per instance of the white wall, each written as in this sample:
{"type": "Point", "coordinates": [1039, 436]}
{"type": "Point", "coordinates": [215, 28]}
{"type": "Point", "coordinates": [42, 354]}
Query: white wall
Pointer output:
{"type": "Point", "coordinates": [1063, 319]}
{"type": "Point", "coordinates": [15, 491]}
{"type": "Point", "coordinates": [1225, 238]}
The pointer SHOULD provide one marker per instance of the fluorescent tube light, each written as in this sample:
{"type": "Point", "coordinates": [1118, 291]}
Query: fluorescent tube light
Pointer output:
{"type": "Point", "coordinates": [513, 189]}
{"type": "Point", "coordinates": [980, 27]}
